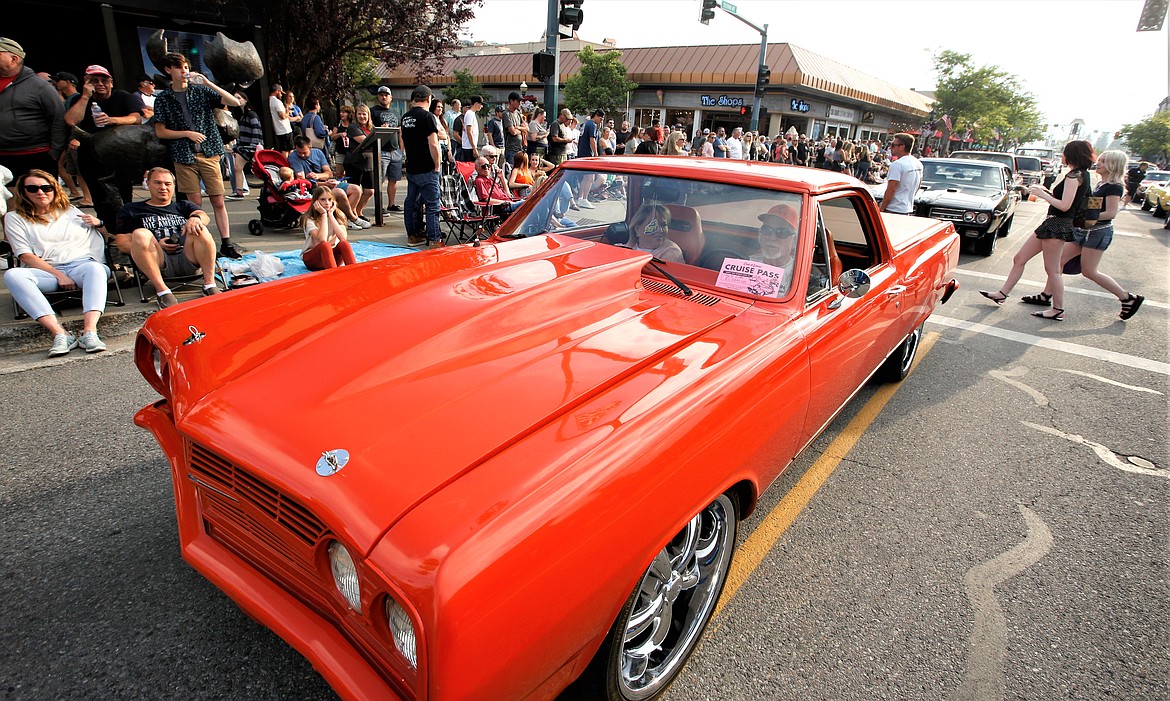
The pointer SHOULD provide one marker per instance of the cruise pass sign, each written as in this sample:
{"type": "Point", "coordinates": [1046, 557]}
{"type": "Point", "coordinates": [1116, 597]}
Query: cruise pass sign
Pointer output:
{"type": "Point", "coordinates": [721, 101]}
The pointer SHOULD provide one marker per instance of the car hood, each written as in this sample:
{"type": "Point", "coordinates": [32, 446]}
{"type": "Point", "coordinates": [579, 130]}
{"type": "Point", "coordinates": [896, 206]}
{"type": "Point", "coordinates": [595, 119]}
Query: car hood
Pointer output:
{"type": "Point", "coordinates": [954, 197]}
{"type": "Point", "coordinates": [423, 384]}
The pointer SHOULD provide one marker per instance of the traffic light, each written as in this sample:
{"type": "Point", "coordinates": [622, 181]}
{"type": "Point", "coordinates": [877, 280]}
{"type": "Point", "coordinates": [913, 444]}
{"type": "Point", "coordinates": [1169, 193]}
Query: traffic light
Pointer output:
{"type": "Point", "coordinates": [708, 11]}
{"type": "Point", "coordinates": [571, 14]}
{"type": "Point", "coordinates": [543, 65]}
{"type": "Point", "coordinates": [763, 75]}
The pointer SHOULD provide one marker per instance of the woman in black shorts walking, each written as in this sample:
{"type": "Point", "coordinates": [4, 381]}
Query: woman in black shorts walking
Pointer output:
{"type": "Point", "coordinates": [1050, 237]}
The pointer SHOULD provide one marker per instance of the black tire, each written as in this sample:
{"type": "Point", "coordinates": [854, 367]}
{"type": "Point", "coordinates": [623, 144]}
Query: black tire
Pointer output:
{"type": "Point", "coordinates": [704, 547]}
{"type": "Point", "coordinates": [898, 365]}
{"type": "Point", "coordinates": [1006, 227]}
{"type": "Point", "coordinates": [1159, 211]}
{"type": "Point", "coordinates": [255, 227]}
{"type": "Point", "coordinates": [1145, 205]}
{"type": "Point", "coordinates": [985, 245]}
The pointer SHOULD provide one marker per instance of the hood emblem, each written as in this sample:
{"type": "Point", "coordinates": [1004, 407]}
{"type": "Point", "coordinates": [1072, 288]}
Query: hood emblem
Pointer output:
{"type": "Point", "coordinates": [331, 462]}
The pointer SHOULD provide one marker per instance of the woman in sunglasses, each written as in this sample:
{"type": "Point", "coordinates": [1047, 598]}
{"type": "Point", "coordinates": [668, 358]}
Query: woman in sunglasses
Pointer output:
{"type": "Point", "coordinates": [648, 233]}
{"type": "Point", "coordinates": [60, 249]}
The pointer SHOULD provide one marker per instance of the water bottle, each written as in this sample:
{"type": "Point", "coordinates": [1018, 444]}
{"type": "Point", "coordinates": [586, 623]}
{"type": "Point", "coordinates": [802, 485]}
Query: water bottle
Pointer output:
{"type": "Point", "coordinates": [96, 111]}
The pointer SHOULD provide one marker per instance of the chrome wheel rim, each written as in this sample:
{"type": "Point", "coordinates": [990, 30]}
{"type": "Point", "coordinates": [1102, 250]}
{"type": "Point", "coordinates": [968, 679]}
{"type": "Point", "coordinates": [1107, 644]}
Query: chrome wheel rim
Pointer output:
{"type": "Point", "coordinates": [909, 348]}
{"type": "Point", "coordinates": [675, 599]}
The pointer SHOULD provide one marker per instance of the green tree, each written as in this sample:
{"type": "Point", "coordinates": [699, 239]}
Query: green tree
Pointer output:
{"type": "Point", "coordinates": [464, 88]}
{"type": "Point", "coordinates": [308, 41]}
{"type": "Point", "coordinates": [985, 99]}
{"type": "Point", "coordinates": [601, 82]}
{"type": "Point", "coordinates": [1149, 138]}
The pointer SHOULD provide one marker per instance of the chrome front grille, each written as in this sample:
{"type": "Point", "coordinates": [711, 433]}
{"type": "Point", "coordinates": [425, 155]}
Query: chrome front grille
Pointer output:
{"type": "Point", "coordinates": [272, 512]}
{"type": "Point", "coordinates": [946, 213]}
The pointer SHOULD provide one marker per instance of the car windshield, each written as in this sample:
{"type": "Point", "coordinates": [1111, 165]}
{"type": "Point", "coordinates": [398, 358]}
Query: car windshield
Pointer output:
{"type": "Point", "coordinates": [1028, 163]}
{"type": "Point", "coordinates": [1158, 175]}
{"type": "Point", "coordinates": [960, 175]}
{"type": "Point", "coordinates": [1003, 158]}
{"type": "Point", "coordinates": [1039, 152]}
{"type": "Point", "coordinates": [690, 224]}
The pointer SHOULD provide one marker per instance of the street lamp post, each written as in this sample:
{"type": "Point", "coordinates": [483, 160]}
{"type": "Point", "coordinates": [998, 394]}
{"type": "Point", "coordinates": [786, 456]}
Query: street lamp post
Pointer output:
{"type": "Point", "coordinates": [523, 88]}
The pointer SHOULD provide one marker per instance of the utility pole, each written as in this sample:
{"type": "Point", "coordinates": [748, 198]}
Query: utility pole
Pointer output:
{"type": "Point", "coordinates": [763, 73]}
{"type": "Point", "coordinates": [564, 18]}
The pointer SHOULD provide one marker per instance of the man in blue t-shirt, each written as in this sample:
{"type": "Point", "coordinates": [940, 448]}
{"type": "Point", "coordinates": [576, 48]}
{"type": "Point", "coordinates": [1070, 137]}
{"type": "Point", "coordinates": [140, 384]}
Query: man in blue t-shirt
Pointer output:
{"type": "Point", "coordinates": [310, 163]}
{"type": "Point", "coordinates": [587, 146]}
{"type": "Point", "coordinates": [167, 237]}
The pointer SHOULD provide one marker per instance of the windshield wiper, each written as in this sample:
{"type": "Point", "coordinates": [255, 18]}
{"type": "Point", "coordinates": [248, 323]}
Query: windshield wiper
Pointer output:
{"type": "Point", "coordinates": [678, 283]}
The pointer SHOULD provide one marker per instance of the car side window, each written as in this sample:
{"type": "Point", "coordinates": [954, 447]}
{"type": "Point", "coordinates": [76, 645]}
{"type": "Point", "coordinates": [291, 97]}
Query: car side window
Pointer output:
{"type": "Point", "coordinates": [820, 275]}
{"type": "Point", "coordinates": [850, 232]}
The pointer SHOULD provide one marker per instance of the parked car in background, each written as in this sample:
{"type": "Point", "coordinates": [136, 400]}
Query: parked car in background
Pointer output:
{"type": "Point", "coordinates": [1031, 172]}
{"type": "Point", "coordinates": [975, 196]}
{"type": "Point", "coordinates": [1049, 158]}
{"type": "Point", "coordinates": [524, 464]}
{"type": "Point", "coordinates": [1152, 177]}
{"type": "Point", "coordinates": [1157, 199]}
{"type": "Point", "coordinates": [1006, 159]}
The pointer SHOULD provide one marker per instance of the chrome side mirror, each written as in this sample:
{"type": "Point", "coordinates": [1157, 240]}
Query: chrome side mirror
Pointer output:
{"type": "Point", "coordinates": [853, 283]}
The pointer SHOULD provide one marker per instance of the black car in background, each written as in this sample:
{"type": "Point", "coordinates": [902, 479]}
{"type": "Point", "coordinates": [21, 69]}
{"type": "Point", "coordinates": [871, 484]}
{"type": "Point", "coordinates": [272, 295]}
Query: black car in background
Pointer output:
{"type": "Point", "coordinates": [979, 197]}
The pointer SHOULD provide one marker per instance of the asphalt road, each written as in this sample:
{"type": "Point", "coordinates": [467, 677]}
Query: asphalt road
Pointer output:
{"type": "Point", "coordinates": [999, 531]}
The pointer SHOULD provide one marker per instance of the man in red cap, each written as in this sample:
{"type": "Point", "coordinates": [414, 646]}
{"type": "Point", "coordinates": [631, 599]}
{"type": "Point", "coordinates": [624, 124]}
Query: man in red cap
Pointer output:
{"type": "Point", "coordinates": [102, 107]}
{"type": "Point", "coordinates": [32, 133]}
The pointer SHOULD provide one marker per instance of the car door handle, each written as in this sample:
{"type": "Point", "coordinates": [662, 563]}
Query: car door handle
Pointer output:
{"type": "Point", "coordinates": [896, 290]}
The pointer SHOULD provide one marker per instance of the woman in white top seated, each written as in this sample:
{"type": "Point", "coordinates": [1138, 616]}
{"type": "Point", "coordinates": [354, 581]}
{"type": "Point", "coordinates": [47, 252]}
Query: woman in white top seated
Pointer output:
{"type": "Point", "coordinates": [648, 233]}
{"type": "Point", "coordinates": [61, 249]}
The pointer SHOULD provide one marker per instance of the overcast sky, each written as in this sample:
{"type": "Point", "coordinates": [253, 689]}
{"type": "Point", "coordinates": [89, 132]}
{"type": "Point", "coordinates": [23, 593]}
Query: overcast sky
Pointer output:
{"type": "Point", "coordinates": [1080, 58]}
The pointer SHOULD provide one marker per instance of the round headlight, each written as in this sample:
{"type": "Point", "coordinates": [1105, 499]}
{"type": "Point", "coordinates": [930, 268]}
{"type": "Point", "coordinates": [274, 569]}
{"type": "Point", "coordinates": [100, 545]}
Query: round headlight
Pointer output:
{"type": "Point", "coordinates": [345, 575]}
{"type": "Point", "coordinates": [982, 218]}
{"type": "Point", "coordinates": [402, 628]}
{"type": "Point", "coordinates": [968, 216]}
{"type": "Point", "coordinates": [156, 359]}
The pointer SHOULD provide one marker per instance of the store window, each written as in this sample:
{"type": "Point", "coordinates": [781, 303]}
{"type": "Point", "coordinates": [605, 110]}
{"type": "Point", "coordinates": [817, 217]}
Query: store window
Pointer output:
{"type": "Point", "coordinates": [645, 117]}
{"type": "Point", "coordinates": [684, 117]}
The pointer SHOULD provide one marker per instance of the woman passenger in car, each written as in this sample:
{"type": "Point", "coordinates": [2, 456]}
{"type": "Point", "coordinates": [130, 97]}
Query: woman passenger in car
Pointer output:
{"type": "Point", "coordinates": [648, 233]}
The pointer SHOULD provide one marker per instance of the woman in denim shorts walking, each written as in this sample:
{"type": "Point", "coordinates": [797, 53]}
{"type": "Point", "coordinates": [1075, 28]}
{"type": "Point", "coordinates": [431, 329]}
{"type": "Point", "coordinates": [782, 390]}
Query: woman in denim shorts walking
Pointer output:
{"type": "Point", "coordinates": [1090, 243]}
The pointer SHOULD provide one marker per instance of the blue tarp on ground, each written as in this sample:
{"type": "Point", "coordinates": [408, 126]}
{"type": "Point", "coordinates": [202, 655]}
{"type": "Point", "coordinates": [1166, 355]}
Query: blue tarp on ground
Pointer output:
{"type": "Point", "coordinates": [362, 251]}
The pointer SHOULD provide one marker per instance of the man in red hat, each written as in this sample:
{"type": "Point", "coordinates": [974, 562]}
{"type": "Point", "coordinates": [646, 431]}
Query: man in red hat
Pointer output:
{"type": "Point", "coordinates": [102, 107]}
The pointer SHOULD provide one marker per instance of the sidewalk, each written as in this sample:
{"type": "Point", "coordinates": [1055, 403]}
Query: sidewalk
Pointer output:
{"type": "Point", "coordinates": [27, 336]}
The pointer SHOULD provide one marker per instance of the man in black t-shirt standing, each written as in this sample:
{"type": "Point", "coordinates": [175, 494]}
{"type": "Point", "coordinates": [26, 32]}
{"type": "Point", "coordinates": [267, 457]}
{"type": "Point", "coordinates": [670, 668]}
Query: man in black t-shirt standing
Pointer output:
{"type": "Point", "coordinates": [420, 138]}
{"type": "Point", "coordinates": [102, 107]}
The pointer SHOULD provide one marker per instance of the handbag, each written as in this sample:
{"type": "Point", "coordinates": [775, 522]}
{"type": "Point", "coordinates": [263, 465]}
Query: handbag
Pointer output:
{"type": "Point", "coordinates": [1087, 209]}
{"type": "Point", "coordinates": [310, 131]}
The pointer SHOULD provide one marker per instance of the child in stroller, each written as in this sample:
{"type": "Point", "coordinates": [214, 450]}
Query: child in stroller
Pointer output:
{"type": "Point", "coordinates": [293, 188]}
{"type": "Point", "coordinates": [277, 209]}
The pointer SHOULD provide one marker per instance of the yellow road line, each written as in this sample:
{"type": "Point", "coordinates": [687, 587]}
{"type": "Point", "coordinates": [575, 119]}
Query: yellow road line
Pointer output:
{"type": "Point", "coordinates": [764, 538]}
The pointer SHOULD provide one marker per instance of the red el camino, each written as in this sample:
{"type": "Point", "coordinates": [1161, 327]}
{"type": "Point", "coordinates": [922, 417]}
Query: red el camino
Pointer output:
{"type": "Point", "coordinates": [495, 470]}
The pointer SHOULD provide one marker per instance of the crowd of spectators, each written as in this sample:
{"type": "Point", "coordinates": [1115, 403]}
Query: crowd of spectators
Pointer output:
{"type": "Point", "coordinates": [50, 121]}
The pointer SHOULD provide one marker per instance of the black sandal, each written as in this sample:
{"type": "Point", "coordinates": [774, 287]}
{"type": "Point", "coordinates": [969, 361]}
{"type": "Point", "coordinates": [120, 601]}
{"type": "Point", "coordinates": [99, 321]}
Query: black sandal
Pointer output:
{"type": "Point", "coordinates": [1130, 306]}
{"type": "Point", "coordinates": [1042, 299]}
{"type": "Point", "coordinates": [1059, 315]}
{"type": "Point", "coordinates": [991, 295]}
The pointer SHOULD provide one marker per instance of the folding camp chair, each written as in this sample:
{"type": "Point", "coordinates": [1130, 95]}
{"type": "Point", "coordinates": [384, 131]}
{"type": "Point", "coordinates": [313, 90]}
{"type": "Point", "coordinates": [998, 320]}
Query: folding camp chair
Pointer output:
{"type": "Point", "coordinates": [459, 213]}
{"type": "Point", "coordinates": [175, 284]}
{"type": "Point", "coordinates": [59, 298]}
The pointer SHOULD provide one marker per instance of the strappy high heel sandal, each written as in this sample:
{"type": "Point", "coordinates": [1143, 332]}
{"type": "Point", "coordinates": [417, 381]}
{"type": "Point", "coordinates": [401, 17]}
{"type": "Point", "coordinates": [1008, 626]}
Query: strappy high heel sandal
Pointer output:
{"type": "Point", "coordinates": [1130, 306]}
{"type": "Point", "coordinates": [1059, 315]}
{"type": "Point", "coordinates": [1041, 299]}
{"type": "Point", "coordinates": [992, 296]}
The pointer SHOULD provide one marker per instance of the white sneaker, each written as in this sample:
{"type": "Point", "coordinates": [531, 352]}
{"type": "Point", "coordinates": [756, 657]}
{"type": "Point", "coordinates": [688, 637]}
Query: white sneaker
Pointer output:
{"type": "Point", "coordinates": [62, 344]}
{"type": "Point", "coordinates": [90, 342]}
{"type": "Point", "coordinates": [585, 204]}
{"type": "Point", "coordinates": [352, 226]}
{"type": "Point", "coordinates": [362, 223]}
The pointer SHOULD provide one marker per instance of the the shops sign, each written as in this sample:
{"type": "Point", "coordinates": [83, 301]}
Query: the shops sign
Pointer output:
{"type": "Point", "coordinates": [721, 101]}
{"type": "Point", "coordinates": [799, 106]}
{"type": "Point", "coordinates": [841, 113]}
